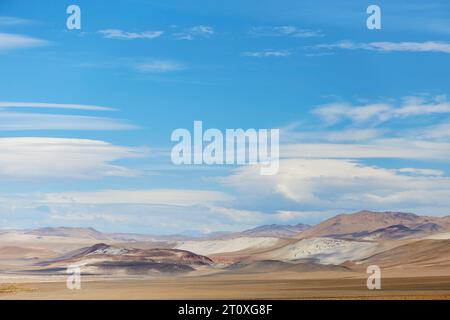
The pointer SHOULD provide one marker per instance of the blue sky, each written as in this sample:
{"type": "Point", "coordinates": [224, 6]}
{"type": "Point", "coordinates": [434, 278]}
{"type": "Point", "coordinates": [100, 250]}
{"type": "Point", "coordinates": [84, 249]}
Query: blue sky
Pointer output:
{"type": "Point", "coordinates": [86, 115]}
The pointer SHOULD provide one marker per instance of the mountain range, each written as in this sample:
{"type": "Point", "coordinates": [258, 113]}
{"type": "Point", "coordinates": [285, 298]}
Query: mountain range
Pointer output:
{"type": "Point", "coordinates": [359, 225]}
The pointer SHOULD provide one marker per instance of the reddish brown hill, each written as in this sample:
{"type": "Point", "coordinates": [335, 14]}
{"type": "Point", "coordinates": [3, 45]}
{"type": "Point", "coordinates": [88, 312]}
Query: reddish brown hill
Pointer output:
{"type": "Point", "coordinates": [369, 221]}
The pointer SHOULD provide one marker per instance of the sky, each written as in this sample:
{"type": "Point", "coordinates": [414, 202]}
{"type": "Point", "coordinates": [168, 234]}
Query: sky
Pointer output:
{"type": "Point", "coordinates": [86, 116]}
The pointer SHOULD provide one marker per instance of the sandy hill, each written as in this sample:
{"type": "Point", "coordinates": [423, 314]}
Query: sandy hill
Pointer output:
{"type": "Point", "coordinates": [322, 250]}
{"type": "Point", "coordinates": [208, 247]}
{"type": "Point", "coordinates": [398, 231]}
{"type": "Point", "coordinates": [106, 259]}
{"type": "Point", "coordinates": [365, 222]}
{"type": "Point", "coordinates": [264, 266]}
{"type": "Point", "coordinates": [421, 253]}
{"type": "Point", "coordinates": [16, 252]}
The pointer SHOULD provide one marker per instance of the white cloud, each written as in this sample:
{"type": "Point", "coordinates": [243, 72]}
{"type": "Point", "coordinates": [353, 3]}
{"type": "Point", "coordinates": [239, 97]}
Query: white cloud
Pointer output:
{"type": "Point", "coordinates": [240, 216]}
{"type": "Point", "coordinates": [422, 172]}
{"type": "Point", "coordinates": [10, 104]}
{"type": "Point", "coordinates": [439, 131]}
{"type": "Point", "coordinates": [335, 112]}
{"type": "Point", "coordinates": [13, 21]}
{"type": "Point", "coordinates": [9, 41]}
{"type": "Point", "coordinates": [89, 217]}
{"type": "Point", "coordinates": [380, 112]}
{"type": "Point", "coordinates": [427, 46]}
{"type": "Point", "coordinates": [419, 108]}
{"type": "Point", "coordinates": [290, 31]}
{"type": "Point", "coordinates": [194, 32]}
{"type": "Point", "coordinates": [40, 158]}
{"type": "Point", "coordinates": [169, 197]}
{"type": "Point", "coordinates": [287, 215]}
{"type": "Point", "coordinates": [344, 185]}
{"type": "Point", "coordinates": [378, 148]}
{"type": "Point", "coordinates": [345, 135]}
{"type": "Point", "coordinates": [267, 53]}
{"type": "Point", "coordinates": [124, 35]}
{"type": "Point", "coordinates": [10, 121]}
{"type": "Point", "coordinates": [159, 66]}
{"type": "Point", "coordinates": [45, 121]}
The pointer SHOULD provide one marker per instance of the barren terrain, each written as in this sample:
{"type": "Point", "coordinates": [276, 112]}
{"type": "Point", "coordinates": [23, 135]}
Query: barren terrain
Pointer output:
{"type": "Point", "coordinates": [317, 263]}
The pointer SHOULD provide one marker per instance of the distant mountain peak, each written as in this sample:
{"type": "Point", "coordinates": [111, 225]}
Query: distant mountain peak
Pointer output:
{"type": "Point", "coordinates": [74, 232]}
{"type": "Point", "coordinates": [366, 222]}
{"type": "Point", "coordinates": [276, 230]}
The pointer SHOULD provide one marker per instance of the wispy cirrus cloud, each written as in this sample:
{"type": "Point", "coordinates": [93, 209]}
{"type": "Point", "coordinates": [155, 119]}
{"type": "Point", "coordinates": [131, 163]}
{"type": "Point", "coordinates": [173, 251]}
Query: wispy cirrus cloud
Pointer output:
{"type": "Point", "coordinates": [63, 158]}
{"type": "Point", "coordinates": [422, 172]}
{"type": "Point", "coordinates": [351, 138]}
{"type": "Point", "coordinates": [267, 53]}
{"type": "Point", "coordinates": [139, 64]}
{"type": "Point", "coordinates": [427, 46]}
{"type": "Point", "coordinates": [438, 131]}
{"type": "Point", "coordinates": [10, 41]}
{"type": "Point", "coordinates": [124, 35]}
{"type": "Point", "coordinates": [25, 120]}
{"type": "Point", "coordinates": [77, 217]}
{"type": "Point", "coordinates": [13, 21]}
{"type": "Point", "coordinates": [45, 105]}
{"type": "Point", "coordinates": [200, 31]}
{"type": "Point", "coordinates": [169, 197]}
{"type": "Point", "coordinates": [380, 148]}
{"type": "Point", "coordinates": [159, 66]}
{"type": "Point", "coordinates": [285, 31]}
{"type": "Point", "coordinates": [16, 121]}
{"type": "Point", "coordinates": [380, 112]}
{"type": "Point", "coordinates": [343, 135]}
{"type": "Point", "coordinates": [288, 215]}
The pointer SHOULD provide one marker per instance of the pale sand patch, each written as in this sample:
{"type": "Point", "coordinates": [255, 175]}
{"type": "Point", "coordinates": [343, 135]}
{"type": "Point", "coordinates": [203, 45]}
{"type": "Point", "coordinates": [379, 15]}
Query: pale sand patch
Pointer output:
{"type": "Point", "coordinates": [325, 250]}
{"type": "Point", "coordinates": [229, 245]}
{"type": "Point", "coordinates": [439, 236]}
